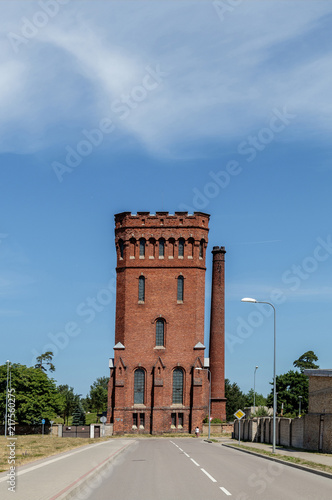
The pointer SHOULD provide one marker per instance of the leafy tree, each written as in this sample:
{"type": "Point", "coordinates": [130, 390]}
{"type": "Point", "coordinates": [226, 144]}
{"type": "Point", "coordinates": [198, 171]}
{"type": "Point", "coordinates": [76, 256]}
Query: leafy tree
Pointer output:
{"type": "Point", "coordinates": [260, 400]}
{"type": "Point", "coordinates": [69, 401]}
{"type": "Point", "coordinates": [289, 387]}
{"type": "Point", "coordinates": [46, 359]}
{"type": "Point", "coordinates": [306, 361]}
{"type": "Point", "coordinates": [235, 399]}
{"type": "Point", "coordinates": [78, 415]}
{"type": "Point", "coordinates": [36, 395]}
{"type": "Point", "coordinates": [96, 400]}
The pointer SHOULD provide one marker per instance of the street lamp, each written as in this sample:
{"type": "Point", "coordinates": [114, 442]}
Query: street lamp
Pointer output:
{"type": "Point", "coordinates": [6, 421]}
{"type": "Point", "coordinates": [255, 387]}
{"type": "Point", "coordinates": [274, 370]}
{"type": "Point", "coordinates": [300, 400]}
{"type": "Point", "coordinates": [209, 397]}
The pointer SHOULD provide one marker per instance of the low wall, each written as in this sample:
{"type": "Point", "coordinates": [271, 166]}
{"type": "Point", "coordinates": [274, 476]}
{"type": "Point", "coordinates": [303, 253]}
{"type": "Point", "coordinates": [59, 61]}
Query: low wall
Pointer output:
{"type": "Point", "coordinates": [289, 432]}
{"type": "Point", "coordinates": [217, 429]}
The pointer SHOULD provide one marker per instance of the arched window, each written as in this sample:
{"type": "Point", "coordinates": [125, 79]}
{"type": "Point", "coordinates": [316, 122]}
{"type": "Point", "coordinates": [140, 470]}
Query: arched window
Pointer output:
{"type": "Point", "coordinates": [190, 248]}
{"type": "Point", "coordinates": [121, 248]}
{"type": "Point", "coordinates": [160, 332]}
{"type": "Point", "coordinates": [139, 384]}
{"type": "Point", "coordinates": [181, 247]}
{"type": "Point", "coordinates": [142, 247]}
{"type": "Point", "coordinates": [180, 288]}
{"type": "Point", "coordinates": [161, 247]}
{"type": "Point", "coordinates": [178, 386]}
{"type": "Point", "coordinates": [201, 249]}
{"type": "Point", "coordinates": [132, 247]}
{"type": "Point", "coordinates": [171, 243]}
{"type": "Point", "coordinates": [141, 289]}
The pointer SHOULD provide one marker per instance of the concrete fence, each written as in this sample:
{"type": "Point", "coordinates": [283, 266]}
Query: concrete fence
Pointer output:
{"type": "Point", "coordinates": [289, 432]}
{"type": "Point", "coordinates": [217, 429]}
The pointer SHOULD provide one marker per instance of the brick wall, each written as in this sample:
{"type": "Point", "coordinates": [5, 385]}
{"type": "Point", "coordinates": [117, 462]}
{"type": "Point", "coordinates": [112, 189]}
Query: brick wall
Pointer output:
{"type": "Point", "coordinates": [135, 331]}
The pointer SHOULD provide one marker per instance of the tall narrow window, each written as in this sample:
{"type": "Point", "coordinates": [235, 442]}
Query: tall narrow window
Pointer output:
{"type": "Point", "coordinates": [139, 382]}
{"type": "Point", "coordinates": [201, 249]}
{"type": "Point", "coordinates": [142, 247]}
{"type": "Point", "coordinates": [160, 332]}
{"type": "Point", "coordinates": [141, 289]}
{"type": "Point", "coordinates": [190, 248]}
{"type": "Point", "coordinates": [181, 247]}
{"type": "Point", "coordinates": [121, 248]}
{"type": "Point", "coordinates": [161, 247]}
{"type": "Point", "coordinates": [180, 288]}
{"type": "Point", "coordinates": [171, 243]}
{"type": "Point", "coordinates": [177, 386]}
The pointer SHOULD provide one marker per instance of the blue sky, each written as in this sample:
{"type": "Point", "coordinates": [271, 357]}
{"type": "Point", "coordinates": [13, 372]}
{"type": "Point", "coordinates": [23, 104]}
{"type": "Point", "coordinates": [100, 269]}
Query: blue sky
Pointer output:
{"type": "Point", "coordinates": [222, 107]}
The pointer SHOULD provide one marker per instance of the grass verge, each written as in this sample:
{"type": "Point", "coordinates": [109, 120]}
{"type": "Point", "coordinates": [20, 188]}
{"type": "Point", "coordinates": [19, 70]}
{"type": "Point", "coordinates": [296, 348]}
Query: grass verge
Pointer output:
{"type": "Point", "coordinates": [287, 458]}
{"type": "Point", "coordinates": [35, 446]}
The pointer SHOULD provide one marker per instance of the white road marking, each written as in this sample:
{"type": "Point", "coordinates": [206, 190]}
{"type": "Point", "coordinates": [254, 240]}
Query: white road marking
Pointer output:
{"type": "Point", "coordinates": [225, 491]}
{"type": "Point", "coordinates": [194, 462]}
{"type": "Point", "coordinates": [180, 448]}
{"type": "Point", "coordinates": [186, 454]}
{"type": "Point", "coordinates": [209, 475]}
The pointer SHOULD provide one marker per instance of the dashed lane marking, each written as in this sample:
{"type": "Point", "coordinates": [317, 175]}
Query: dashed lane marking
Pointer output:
{"type": "Point", "coordinates": [195, 462]}
{"type": "Point", "coordinates": [225, 491]}
{"type": "Point", "coordinates": [208, 475]}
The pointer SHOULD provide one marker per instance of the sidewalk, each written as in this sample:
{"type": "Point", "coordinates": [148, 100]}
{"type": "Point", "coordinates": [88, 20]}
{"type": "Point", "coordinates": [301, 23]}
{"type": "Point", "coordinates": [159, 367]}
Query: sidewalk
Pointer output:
{"type": "Point", "coordinates": [62, 476]}
{"type": "Point", "coordinates": [318, 458]}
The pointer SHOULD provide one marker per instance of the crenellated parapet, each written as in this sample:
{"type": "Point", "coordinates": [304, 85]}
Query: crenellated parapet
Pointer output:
{"type": "Point", "coordinates": [171, 240]}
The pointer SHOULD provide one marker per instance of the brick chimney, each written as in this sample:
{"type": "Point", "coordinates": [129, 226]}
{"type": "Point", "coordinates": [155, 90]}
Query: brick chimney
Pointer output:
{"type": "Point", "coordinates": [217, 335]}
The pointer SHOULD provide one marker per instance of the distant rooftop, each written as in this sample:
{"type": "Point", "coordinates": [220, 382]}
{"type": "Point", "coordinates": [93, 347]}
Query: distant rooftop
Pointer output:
{"type": "Point", "coordinates": [317, 372]}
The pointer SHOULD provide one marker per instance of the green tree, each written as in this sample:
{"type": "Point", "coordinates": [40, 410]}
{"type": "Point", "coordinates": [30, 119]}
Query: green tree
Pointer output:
{"type": "Point", "coordinates": [306, 361]}
{"type": "Point", "coordinates": [290, 386]}
{"type": "Point", "coordinates": [36, 395]}
{"type": "Point", "coordinates": [69, 401]}
{"type": "Point", "coordinates": [260, 400]}
{"type": "Point", "coordinates": [78, 415]}
{"type": "Point", "coordinates": [45, 359]}
{"type": "Point", "coordinates": [235, 399]}
{"type": "Point", "coordinates": [97, 398]}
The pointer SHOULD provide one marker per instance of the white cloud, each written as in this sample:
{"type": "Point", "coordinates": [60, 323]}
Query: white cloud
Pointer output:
{"type": "Point", "coordinates": [224, 78]}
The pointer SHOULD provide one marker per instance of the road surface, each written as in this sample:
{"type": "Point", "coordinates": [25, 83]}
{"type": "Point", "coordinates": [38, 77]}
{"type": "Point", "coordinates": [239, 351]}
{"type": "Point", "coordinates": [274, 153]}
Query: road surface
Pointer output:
{"type": "Point", "coordinates": [192, 469]}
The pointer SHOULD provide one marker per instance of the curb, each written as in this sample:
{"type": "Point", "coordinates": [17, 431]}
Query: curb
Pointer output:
{"type": "Point", "coordinates": [80, 485]}
{"type": "Point", "coordinates": [284, 462]}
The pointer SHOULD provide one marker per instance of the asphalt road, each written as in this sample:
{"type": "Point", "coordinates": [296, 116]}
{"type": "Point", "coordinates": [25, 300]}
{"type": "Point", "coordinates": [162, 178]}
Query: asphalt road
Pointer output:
{"type": "Point", "coordinates": [192, 469]}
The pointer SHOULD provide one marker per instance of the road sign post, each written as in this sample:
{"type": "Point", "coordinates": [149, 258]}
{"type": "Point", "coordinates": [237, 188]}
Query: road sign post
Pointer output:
{"type": "Point", "coordinates": [239, 415]}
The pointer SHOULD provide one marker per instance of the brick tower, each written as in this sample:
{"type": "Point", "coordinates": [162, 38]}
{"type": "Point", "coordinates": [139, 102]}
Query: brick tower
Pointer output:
{"type": "Point", "coordinates": [159, 333]}
{"type": "Point", "coordinates": [217, 335]}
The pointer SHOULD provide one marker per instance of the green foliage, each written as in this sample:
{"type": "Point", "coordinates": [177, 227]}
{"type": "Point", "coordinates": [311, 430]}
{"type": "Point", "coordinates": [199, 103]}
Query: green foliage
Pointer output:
{"type": "Point", "coordinates": [260, 400]}
{"type": "Point", "coordinates": [290, 386]}
{"type": "Point", "coordinates": [235, 399]}
{"type": "Point", "coordinates": [261, 412]}
{"type": "Point", "coordinates": [36, 396]}
{"type": "Point", "coordinates": [306, 361]}
{"type": "Point", "coordinates": [46, 359]}
{"type": "Point", "coordinates": [69, 401]}
{"type": "Point", "coordinates": [78, 416]}
{"type": "Point", "coordinates": [96, 400]}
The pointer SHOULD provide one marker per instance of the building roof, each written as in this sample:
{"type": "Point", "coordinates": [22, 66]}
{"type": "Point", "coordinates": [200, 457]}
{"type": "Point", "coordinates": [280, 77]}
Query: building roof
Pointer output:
{"type": "Point", "coordinates": [318, 372]}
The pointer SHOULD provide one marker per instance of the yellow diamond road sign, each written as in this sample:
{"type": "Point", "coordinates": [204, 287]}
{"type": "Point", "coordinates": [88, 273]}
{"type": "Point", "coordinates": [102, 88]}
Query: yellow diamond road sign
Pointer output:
{"type": "Point", "coordinates": [239, 414]}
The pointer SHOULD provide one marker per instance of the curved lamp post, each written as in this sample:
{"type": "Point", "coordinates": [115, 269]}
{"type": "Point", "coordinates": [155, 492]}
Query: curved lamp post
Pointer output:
{"type": "Point", "coordinates": [254, 301]}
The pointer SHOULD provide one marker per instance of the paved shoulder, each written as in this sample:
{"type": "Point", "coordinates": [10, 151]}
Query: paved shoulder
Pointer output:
{"type": "Point", "coordinates": [55, 478]}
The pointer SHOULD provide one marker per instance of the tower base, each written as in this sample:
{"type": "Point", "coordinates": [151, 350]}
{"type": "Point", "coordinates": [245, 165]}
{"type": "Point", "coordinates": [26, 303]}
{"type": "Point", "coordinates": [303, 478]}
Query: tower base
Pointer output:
{"type": "Point", "coordinates": [218, 408]}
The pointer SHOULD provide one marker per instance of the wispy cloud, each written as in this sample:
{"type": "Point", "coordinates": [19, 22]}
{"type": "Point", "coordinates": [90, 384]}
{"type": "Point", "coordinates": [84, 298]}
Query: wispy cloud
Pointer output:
{"type": "Point", "coordinates": [224, 78]}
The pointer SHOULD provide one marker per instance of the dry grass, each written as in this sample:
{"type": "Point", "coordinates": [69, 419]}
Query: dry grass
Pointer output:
{"type": "Point", "coordinates": [34, 447]}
